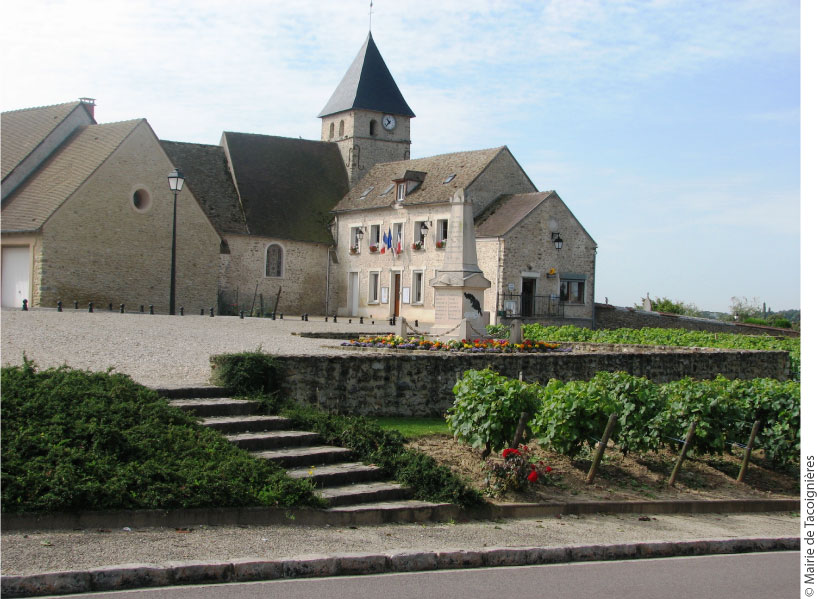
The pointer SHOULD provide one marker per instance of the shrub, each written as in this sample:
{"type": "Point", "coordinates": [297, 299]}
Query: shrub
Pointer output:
{"type": "Point", "coordinates": [371, 444]}
{"type": "Point", "coordinates": [246, 373]}
{"type": "Point", "coordinates": [487, 408]}
{"type": "Point", "coordinates": [781, 323]}
{"type": "Point", "coordinates": [75, 440]}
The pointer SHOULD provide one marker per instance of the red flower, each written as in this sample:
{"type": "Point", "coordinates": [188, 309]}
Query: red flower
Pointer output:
{"type": "Point", "coordinates": [524, 447]}
{"type": "Point", "coordinates": [548, 469]}
{"type": "Point", "coordinates": [509, 451]}
{"type": "Point", "coordinates": [533, 476]}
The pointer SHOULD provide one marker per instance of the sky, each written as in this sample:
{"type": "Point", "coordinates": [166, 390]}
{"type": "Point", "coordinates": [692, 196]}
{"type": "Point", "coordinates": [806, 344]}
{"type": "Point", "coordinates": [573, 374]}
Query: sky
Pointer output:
{"type": "Point", "coordinates": [671, 128]}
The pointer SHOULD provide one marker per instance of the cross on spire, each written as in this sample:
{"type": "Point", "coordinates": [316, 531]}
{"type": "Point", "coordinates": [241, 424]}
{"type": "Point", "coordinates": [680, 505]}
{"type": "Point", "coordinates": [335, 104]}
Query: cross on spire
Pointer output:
{"type": "Point", "coordinates": [371, 3]}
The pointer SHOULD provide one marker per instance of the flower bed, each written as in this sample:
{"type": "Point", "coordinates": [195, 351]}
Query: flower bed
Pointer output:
{"type": "Point", "coordinates": [476, 346]}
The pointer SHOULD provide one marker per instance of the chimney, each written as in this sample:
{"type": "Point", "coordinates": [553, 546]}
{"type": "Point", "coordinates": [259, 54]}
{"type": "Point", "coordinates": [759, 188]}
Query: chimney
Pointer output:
{"type": "Point", "coordinates": [90, 103]}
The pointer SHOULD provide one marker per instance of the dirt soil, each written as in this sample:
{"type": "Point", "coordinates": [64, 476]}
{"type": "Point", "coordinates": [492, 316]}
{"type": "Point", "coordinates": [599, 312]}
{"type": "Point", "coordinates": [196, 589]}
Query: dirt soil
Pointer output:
{"type": "Point", "coordinates": [621, 478]}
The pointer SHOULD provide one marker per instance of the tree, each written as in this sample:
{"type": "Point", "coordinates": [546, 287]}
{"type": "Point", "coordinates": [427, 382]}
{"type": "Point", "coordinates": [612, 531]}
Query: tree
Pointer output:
{"type": "Point", "coordinates": [742, 308]}
{"type": "Point", "coordinates": [664, 304]}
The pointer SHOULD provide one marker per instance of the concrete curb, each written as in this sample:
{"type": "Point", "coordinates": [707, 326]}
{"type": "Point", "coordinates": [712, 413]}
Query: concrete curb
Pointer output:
{"type": "Point", "coordinates": [130, 576]}
{"type": "Point", "coordinates": [364, 516]}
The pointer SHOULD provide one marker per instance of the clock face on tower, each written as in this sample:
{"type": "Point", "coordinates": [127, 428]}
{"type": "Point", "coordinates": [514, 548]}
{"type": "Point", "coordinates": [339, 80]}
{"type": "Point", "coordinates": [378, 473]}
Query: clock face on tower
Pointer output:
{"type": "Point", "coordinates": [389, 122]}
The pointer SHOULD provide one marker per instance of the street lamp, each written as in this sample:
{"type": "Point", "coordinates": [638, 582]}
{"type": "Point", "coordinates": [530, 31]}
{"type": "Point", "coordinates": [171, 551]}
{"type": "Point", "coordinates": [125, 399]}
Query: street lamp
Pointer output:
{"type": "Point", "coordinates": [176, 181]}
{"type": "Point", "coordinates": [557, 240]}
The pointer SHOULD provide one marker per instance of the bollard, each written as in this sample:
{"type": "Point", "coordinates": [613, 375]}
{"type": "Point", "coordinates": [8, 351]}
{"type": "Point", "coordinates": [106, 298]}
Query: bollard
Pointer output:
{"type": "Point", "coordinates": [76, 305]}
{"type": "Point", "coordinates": [150, 308]}
{"type": "Point", "coordinates": [326, 319]}
{"type": "Point", "coordinates": [212, 312]}
{"type": "Point", "coordinates": [416, 323]}
{"type": "Point", "coordinates": [334, 318]}
{"type": "Point", "coordinates": [361, 320]}
{"type": "Point", "coordinates": [110, 306]}
{"type": "Point", "coordinates": [59, 306]}
{"type": "Point", "coordinates": [202, 312]}
{"type": "Point", "coordinates": [142, 308]}
{"type": "Point", "coordinates": [90, 306]}
{"type": "Point", "coordinates": [121, 308]}
{"type": "Point", "coordinates": [302, 316]}
{"type": "Point", "coordinates": [281, 316]}
{"type": "Point", "coordinates": [181, 311]}
{"type": "Point", "coordinates": [306, 317]}
{"type": "Point", "coordinates": [241, 315]}
{"type": "Point", "coordinates": [25, 305]}
{"type": "Point", "coordinates": [350, 321]}
{"type": "Point", "coordinates": [273, 316]}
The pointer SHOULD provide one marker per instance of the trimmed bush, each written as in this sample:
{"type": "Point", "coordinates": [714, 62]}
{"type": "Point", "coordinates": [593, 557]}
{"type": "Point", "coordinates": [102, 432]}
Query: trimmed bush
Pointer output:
{"type": "Point", "coordinates": [76, 440]}
{"type": "Point", "coordinates": [246, 373]}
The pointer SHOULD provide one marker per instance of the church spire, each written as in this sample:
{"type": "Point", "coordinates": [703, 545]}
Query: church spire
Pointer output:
{"type": "Point", "coordinates": [368, 85]}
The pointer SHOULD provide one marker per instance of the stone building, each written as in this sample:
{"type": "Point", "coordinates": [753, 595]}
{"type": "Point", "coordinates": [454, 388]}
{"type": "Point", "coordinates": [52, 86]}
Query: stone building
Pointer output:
{"type": "Point", "coordinates": [348, 225]}
{"type": "Point", "coordinates": [87, 215]}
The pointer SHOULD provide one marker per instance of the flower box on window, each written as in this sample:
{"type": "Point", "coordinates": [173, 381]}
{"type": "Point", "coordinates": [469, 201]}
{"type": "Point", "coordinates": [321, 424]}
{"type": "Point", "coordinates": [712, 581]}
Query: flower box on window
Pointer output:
{"type": "Point", "coordinates": [416, 245]}
{"type": "Point", "coordinates": [373, 249]}
{"type": "Point", "coordinates": [441, 244]}
{"type": "Point", "coordinates": [354, 250]}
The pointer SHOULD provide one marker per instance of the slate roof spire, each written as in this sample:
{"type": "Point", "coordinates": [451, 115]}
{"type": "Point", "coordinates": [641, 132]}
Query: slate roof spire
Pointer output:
{"type": "Point", "coordinates": [367, 84]}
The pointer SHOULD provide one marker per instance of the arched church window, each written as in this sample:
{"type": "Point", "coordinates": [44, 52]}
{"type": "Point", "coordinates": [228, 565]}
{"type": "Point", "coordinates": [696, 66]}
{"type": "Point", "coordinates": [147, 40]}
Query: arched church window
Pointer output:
{"type": "Point", "coordinates": [372, 125]}
{"type": "Point", "coordinates": [340, 129]}
{"type": "Point", "coordinates": [331, 130]}
{"type": "Point", "coordinates": [275, 261]}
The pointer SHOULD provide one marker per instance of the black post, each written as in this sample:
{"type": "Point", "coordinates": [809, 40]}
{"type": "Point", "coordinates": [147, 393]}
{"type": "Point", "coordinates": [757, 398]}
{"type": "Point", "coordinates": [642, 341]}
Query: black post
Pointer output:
{"type": "Point", "coordinates": [241, 314]}
{"type": "Point", "coordinates": [181, 311]}
{"type": "Point", "coordinates": [25, 305]}
{"type": "Point", "coordinates": [121, 308]}
{"type": "Point", "coordinates": [202, 312]}
{"type": "Point", "coordinates": [274, 316]}
{"type": "Point", "coordinates": [110, 306]}
{"type": "Point", "coordinates": [59, 306]}
{"type": "Point", "coordinates": [172, 309]}
{"type": "Point", "coordinates": [334, 318]}
{"type": "Point", "coordinates": [142, 308]}
{"type": "Point", "coordinates": [306, 317]}
{"type": "Point", "coordinates": [90, 306]}
{"type": "Point", "coordinates": [150, 308]}
{"type": "Point", "coordinates": [212, 312]}
{"type": "Point", "coordinates": [76, 305]}
{"type": "Point", "coordinates": [361, 320]}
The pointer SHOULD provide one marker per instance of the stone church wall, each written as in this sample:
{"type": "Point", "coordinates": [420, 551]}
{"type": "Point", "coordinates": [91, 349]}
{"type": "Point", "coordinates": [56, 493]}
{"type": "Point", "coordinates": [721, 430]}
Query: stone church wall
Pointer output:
{"type": "Point", "coordinates": [243, 276]}
{"type": "Point", "coordinates": [502, 176]}
{"type": "Point", "coordinates": [97, 247]}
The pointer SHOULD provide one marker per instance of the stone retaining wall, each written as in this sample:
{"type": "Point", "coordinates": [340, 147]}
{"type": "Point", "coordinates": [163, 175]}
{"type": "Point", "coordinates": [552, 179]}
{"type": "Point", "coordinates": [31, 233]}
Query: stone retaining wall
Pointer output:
{"type": "Point", "coordinates": [388, 383]}
{"type": "Point", "coordinates": [615, 317]}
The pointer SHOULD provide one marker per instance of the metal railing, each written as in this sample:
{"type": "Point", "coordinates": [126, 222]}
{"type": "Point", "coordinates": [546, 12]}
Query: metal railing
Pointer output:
{"type": "Point", "coordinates": [531, 306]}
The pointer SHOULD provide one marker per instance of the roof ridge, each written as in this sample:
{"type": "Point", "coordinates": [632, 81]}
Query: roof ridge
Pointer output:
{"type": "Point", "coordinates": [16, 110]}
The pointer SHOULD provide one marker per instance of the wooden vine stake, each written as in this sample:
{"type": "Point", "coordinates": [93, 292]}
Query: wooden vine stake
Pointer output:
{"type": "Point", "coordinates": [746, 454]}
{"type": "Point", "coordinates": [520, 428]}
{"type": "Point", "coordinates": [611, 422]}
{"type": "Point", "coordinates": [684, 449]}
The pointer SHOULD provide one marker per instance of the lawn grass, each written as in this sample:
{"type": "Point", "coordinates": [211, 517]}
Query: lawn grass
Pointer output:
{"type": "Point", "coordinates": [411, 428]}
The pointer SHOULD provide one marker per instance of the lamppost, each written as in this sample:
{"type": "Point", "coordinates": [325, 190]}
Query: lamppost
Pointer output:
{"type": "Point", "coordinates": [176, 181]}
{"type": "Point", "coordinates": [423, 233]}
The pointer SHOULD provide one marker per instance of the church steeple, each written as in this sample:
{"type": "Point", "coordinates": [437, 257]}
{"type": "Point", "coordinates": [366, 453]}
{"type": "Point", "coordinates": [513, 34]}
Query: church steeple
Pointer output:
{"type": "Point", "coordinates": [367, 115]}
{"type": "Point", "coordinates": [367, 84]}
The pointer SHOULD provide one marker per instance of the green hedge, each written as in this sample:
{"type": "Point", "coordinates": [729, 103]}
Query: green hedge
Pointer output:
{"type": "Point", "coordinates": [246, 373]}
{"type": "Point", "coordinates": [76, 440]}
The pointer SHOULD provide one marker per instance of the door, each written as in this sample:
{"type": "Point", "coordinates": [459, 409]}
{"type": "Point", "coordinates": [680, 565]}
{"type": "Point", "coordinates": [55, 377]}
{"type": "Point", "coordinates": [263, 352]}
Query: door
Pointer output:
{"type": "Point", "coordinates": [396, 294]}
{"type": "Point", "coordinates": [15, 276]}
{"type": "Point", "coordinates": [353, 294]}
{"type": "Point", "coordinates": [528, 294]}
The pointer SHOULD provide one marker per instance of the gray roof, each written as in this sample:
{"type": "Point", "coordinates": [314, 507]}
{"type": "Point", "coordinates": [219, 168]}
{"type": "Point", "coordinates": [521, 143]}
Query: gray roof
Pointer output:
{"type": "Point", "coordinates": [508, 211]}
{"type": "Point", "coordinates": [467, 166]}
{"type": "Point", "coordinates": [23, 130]}
{"type": "Point", "coordinates": [207, 176]}
{"type": "Point", "coordinates": [286, 186]}
{"type": "Point", "coordinates": [367, 84]}
{"type": "Point", "coordinates": [63, 173]}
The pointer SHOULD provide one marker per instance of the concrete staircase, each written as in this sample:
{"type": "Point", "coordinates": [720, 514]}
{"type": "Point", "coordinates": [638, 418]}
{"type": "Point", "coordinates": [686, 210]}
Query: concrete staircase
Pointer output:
{"type": "Point", "coordinates": [345, 485]}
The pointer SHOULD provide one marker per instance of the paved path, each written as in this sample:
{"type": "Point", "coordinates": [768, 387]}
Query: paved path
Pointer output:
{"type": "Point", "coordinates": [159, 350]}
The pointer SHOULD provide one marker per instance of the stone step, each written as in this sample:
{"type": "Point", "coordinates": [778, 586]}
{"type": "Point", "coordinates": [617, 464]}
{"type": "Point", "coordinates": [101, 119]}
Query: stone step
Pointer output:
{"type": "Point", "coordinates": [273, 439]}
{"type": "Point", "coordinates": [220, 406]}
{"type": "Point", "coordinates": [305, 456]}
{"type": "Point", "coordinates": [408, 510]}
{"type": "Point", "coordinates": [245, 424]}
{"type": "Point", "coordinates": [364, 493]}
{"type": "Point", "coordinates": [335, 475]}
{"type": "Point", "coordinates": [192, 392]}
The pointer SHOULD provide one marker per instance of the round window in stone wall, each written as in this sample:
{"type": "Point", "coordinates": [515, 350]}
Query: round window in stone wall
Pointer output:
{"type": "Point", "coordinates": [141, 200]}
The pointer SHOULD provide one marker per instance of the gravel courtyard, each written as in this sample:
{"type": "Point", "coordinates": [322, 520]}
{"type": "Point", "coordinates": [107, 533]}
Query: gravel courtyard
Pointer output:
{"type": "Point", "coordinates": [159, 350]}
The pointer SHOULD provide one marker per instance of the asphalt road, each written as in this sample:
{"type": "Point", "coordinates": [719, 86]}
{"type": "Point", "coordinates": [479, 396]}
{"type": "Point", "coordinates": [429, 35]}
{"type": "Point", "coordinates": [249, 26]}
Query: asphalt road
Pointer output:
{"type": "Point", "coordinates": [755, 575]}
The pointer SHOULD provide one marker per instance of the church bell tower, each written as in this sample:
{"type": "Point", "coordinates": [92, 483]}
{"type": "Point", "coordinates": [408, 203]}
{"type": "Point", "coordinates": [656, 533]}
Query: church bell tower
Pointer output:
{"type": "Point", "coordinates": [367, 116]}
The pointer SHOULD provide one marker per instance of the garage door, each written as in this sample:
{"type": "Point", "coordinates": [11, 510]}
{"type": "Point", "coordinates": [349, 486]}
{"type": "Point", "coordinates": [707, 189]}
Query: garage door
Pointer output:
{"type": "Point", "coordinates": [15, 276]}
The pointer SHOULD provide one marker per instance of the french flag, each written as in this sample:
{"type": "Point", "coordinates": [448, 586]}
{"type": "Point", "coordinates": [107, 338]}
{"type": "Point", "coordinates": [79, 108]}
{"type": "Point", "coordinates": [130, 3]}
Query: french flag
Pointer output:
{"type": "Point", "coordinates": [385, 242]}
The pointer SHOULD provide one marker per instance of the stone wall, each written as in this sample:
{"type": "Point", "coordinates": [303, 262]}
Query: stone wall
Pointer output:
{"type": "Point", "coordinates": [614, 317]}
{"type": "Point", "coordinates": [502, 175]}
{"type": "Point", "coordinates": [386, 383]}
{"type": "Point", "coordinates": [98, 247]}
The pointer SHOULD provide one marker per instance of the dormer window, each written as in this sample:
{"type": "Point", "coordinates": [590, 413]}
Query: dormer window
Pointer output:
{"type": "Point", "coordinates": [401, 191]}
{"type": "Point", "coordinates": [449, 178]}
